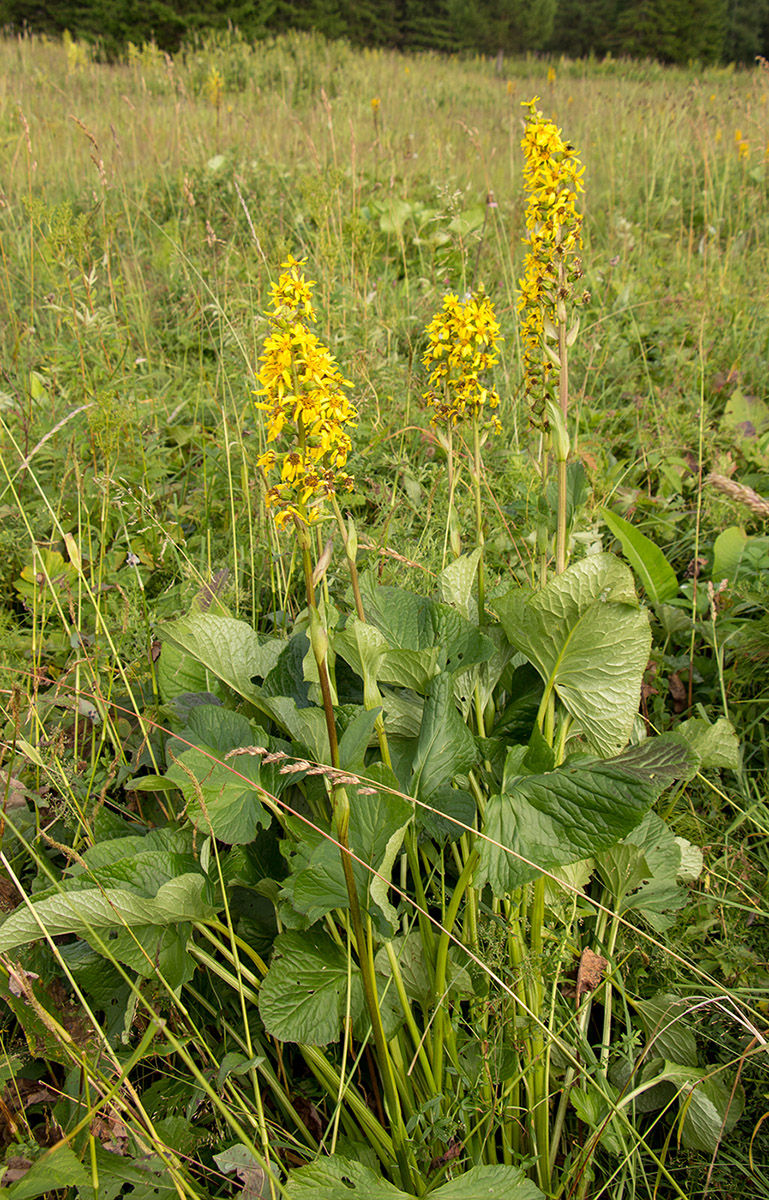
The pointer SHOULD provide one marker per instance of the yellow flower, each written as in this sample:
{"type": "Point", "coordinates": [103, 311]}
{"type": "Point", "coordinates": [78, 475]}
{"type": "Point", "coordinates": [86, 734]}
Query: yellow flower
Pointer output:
{"type": "Point", "coordinates": [375, 103]}
{"type": "Point", "coordinates": [307, 408]}
{"type": "Point", "coordinates": [462, 345]}
{"type": "Point", "coordinates": [553, 179]}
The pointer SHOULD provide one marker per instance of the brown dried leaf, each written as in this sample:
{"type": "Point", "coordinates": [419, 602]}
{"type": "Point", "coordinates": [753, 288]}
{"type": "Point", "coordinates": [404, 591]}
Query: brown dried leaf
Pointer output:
{"type": "Point", "coordinates": [591, 971]}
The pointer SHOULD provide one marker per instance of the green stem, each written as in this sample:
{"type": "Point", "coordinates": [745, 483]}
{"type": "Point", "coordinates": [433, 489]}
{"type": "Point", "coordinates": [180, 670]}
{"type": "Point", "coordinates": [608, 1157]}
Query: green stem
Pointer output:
{"type": "Point", "coordinates": [479, 540]}
{"type": "Point", "coordinates": [441, 963]}
{"type": "Point", "coordinates": [364, 944]}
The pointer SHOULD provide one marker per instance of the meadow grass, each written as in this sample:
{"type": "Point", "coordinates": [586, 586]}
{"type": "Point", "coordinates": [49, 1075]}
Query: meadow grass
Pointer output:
{"type": "Point", "coordinates": [145, 211]}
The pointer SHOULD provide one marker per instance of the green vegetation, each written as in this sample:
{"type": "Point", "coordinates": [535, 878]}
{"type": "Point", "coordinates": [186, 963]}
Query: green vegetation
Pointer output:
{"type": "Point", "coordinates": [420, 849]}
{"type": "Point", "coordinates": [673, 31]}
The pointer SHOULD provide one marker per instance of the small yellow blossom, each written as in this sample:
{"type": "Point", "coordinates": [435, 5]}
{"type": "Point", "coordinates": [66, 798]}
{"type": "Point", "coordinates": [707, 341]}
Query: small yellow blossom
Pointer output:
{"type": "Point", "coordinates": [375, 104]}
{"type": "Point", "coordinates": [462, 346]}
{"type": "Point", "coordinates": [306, 405]}
{"type": "Point", "coordinates": [551, 75]}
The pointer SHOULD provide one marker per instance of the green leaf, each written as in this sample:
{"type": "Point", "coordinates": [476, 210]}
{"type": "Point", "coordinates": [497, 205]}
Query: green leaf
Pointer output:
{"type": "Point", "coordinates": [445, 747]}
{"type": "Point", "coordinates": [223, 798]}
{"type": "Point", "coordinates": [717, 745]}
{"type": "Point", "coordinates": [668, 1032]}
{"type": "Point", "coordinates": [338, 1178]}
{"type": "Point", "coordinates": [139, 931]}
{"type": "Point", "coordinates": [728, 550]}
{"type": "Point", "coordinates": [303, 997]}
{"type": "Point", "coordinates": [576, 811]}
{"type": "Point", "coordinates": [415, 623]}
{"type": "Point", "coordinates": [377, 825]}
{"type": "Point", "coordinates": [230, 649]}
{"type": "Point", "coordinates": [455, 584]}
{"type": "Point", "coordinates": [708, 1108]}
{"type": "Point", "coordinates": [489, 1183]}
{"type": "Point", "coordinates": [648, 561]}
{"type": "Point", "coordinates": [59, 1168]}
{"type": "Point", "coordinates": [660, 894]}
{"type": "Point", "coordinates": [589, 640]}
{"type": "Point", "coordinates": [355, 740]}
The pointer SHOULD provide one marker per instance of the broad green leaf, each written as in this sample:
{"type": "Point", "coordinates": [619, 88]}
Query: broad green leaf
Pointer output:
{"type": "Point", "coordinates": [230, 649]}
{"type": "Point", "coordinates": [709, 1107]}
{"type": "Point", "coordinates": [489, 1183]}
{"type": "Point", "coordinates": [415, 623]}
{"type": "Point", "coordinates": [180, 673]}
{"type": "Point", "coordinates": [445, 747]}
{"type": "Point", "coordinates": [338, 1178]}
{"type": "Point", "coordinates": [668, 1032]}
{"type": "Point", "coordinates": [223, 797]}
{"type": "Point", "coordinates": [368, 652]}
{"type": "Point", "coordinates": [717, 745]}
{"type": "Point", "coordinates": [377, 824]}
{"type": "Point", "coordinates": [303, 997]}
{"type": "Point", "coordinates": [455, 584]}
{"type": "Point", "coordinates": [414, 970]}
{"type": "Point", "coordinates": [304, 725]}
{"type": "Point", "coordinates": [354, 742]}
{"type": "Point", "coordinates": [587, 637]}
{"type": "Point", "coordinates": [576, 811]}
{"type": "Point", "coordinates": [728, 550]}
{"type": "Point", "coordinates": [598, 1114]}
{"type": "Point", "coordinates": [648, 561]}
{"type": "Point", "coordinates": [59, 1168]}
{"type": "Point", "coordinates": [447, 814]}
{"type": "Point", "coordinates": [96, 911]}
{"type": "Point", "coordinates": [623, 868]}
{"type": "Point", "coordinates": [403, 713]}
{"type": "Point", "coordinates": [660, 894]}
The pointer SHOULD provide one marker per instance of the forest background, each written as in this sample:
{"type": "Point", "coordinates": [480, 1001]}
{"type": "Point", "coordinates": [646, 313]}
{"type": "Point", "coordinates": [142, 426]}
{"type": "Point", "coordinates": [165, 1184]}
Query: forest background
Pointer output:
{"type": "Point", "coordinates": [672, 31]}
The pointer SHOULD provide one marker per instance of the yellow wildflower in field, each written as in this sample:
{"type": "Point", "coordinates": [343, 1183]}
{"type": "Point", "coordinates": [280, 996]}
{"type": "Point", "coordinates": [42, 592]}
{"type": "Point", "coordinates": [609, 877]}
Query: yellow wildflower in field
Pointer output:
{"type": "Point", "coordinates": [553, 180]}
{"type": "Point", "coordinates": [462, 346]}
{"type": "Point", "coordinates": [307, 408]}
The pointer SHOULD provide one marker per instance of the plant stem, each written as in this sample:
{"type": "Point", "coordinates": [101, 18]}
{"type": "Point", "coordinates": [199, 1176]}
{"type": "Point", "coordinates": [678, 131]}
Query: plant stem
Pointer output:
{"type": "Point", "coordinates": [364, 943]}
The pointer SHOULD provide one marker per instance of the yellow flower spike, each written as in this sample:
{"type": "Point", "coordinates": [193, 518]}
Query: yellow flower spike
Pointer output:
{"type": "Point", "coordinates": [462, 344]}
{"type": "Point", "coordinates": [553, 177]}
{"type": "Point", "coordinates": [308, 411]}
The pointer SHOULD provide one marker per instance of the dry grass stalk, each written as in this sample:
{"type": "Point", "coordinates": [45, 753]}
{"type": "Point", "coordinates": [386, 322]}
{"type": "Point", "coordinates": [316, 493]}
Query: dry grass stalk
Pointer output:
{"type": "Point", "coordinates": [741, 493]}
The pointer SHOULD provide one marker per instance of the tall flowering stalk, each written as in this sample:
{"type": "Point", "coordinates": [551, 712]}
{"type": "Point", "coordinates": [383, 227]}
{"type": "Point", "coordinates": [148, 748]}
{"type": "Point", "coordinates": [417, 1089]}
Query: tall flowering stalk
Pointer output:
{"type": "Point", "coordinates": [309, 417]}
{"type": "Point", "coordinates": [553, 180]}
{"type": "Point", "coordinates": [462, 348]}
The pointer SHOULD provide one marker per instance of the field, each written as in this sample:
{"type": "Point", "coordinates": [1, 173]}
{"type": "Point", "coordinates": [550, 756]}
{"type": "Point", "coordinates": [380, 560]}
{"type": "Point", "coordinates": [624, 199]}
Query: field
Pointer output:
{"type": "Point", "coordinates": [539, 964]}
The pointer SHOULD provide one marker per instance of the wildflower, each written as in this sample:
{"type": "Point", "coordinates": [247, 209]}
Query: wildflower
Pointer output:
{"type": "Point", "coordinates": [553, 178]}
{"type": "Point", "coordinates": [462, 346]}
{"type": "Point", "coordinates": [308, 410]}
{"type": "Point", "coordinates": [375, 104]}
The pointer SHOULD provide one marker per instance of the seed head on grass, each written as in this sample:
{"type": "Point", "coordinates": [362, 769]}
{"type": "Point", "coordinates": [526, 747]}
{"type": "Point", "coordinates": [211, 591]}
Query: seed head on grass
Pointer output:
{"type": "Point", "coordinates": [308, 410]}
{"type": "Point", "coordinates": [553, 180]}
{"type": "Point", "coordinates": [463, 339]}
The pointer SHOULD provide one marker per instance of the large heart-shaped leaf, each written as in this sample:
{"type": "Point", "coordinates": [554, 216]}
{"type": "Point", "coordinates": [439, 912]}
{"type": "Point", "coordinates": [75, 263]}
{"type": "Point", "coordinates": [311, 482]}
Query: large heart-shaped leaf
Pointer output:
{"type": "Point", "coordinates": [140, 931]}
{"type": "Point", "coordinates": [230, 649]}
{"type": "Point", "coordinates": [378, 821]}
{"type": "Point", "coordinates": [587, 637]}
{"type": "Point", "coordinates": [304, 995]}
{"type": "Point", "coordinates": [220, 799]}
{"type": "Point", "coordinates": [445, 747]}
{"type": "Point", "coordinates": [339, 1178]}
{"type": "Point", "coordinates": [572, 813]}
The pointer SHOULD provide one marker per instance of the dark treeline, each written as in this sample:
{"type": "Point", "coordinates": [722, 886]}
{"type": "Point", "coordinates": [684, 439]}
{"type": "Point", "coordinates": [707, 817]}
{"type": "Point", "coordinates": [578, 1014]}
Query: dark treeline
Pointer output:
{"type": "Point", "coordinates": [674, 31]}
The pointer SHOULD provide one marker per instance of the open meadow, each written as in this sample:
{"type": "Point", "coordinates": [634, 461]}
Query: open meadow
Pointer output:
{"type": "Point", "coordinates": [405, 836]}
